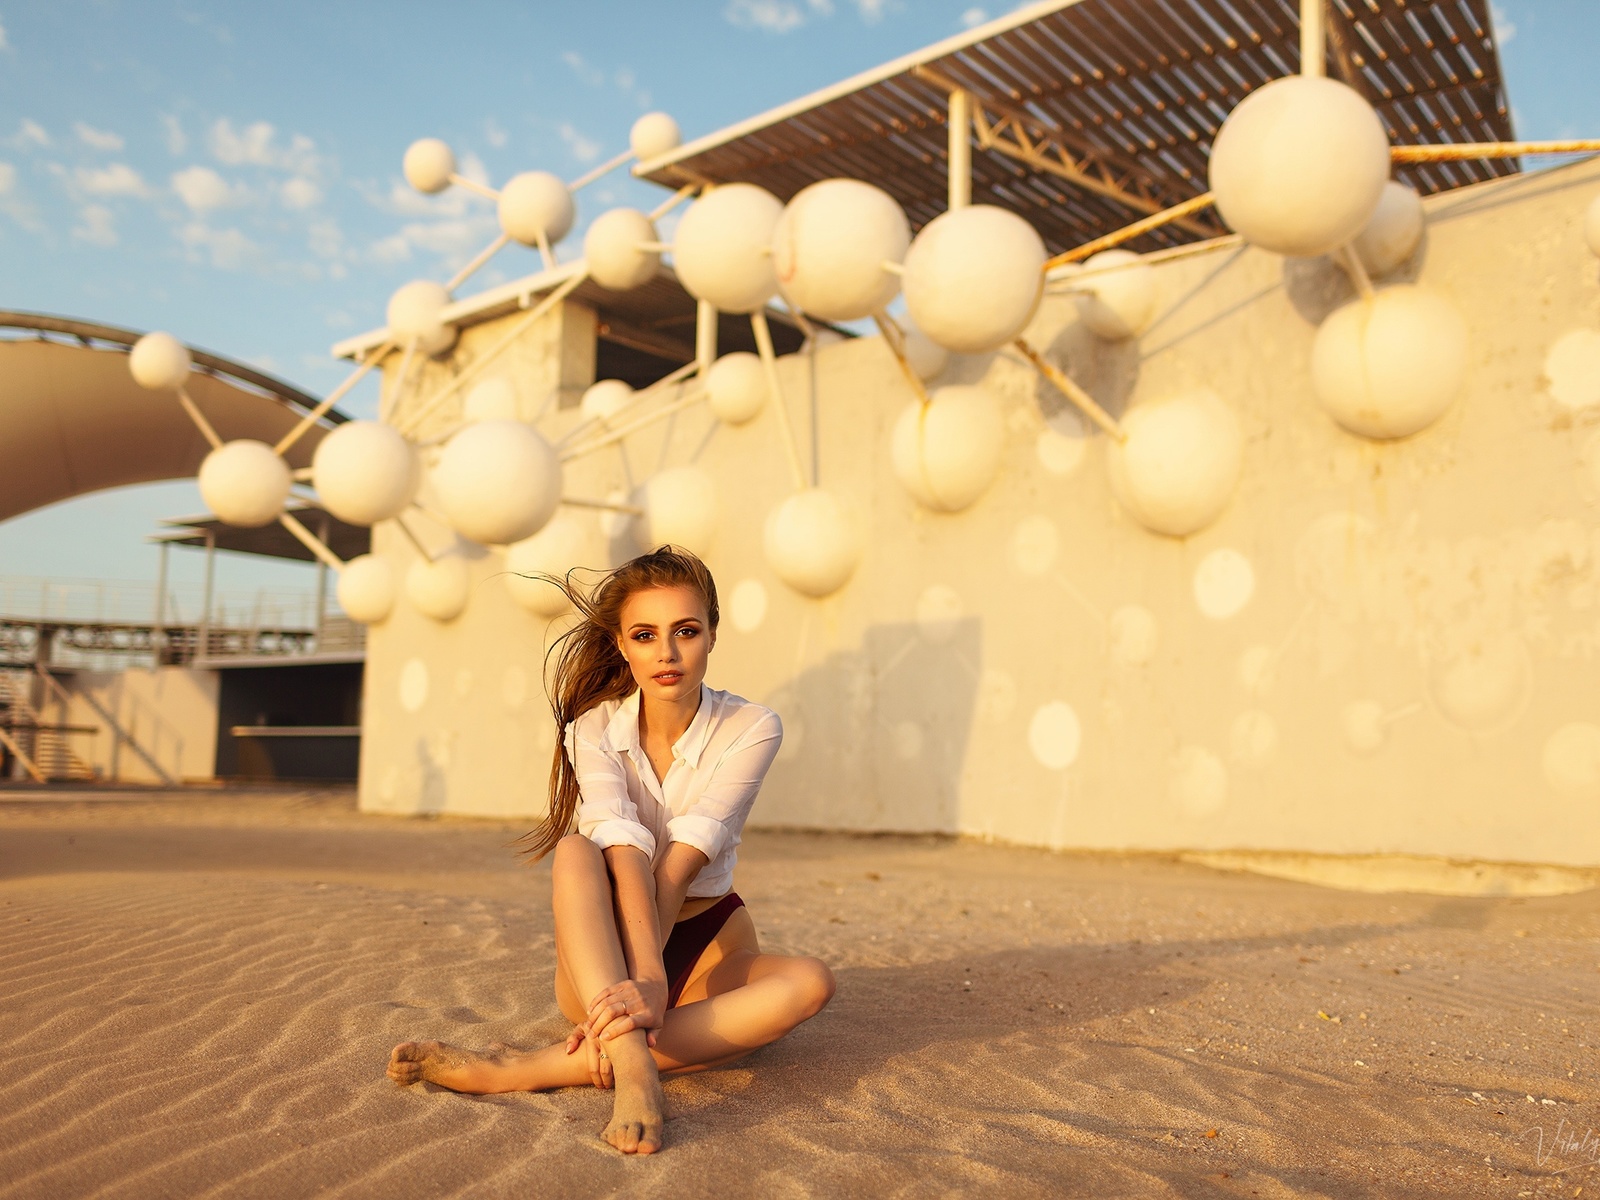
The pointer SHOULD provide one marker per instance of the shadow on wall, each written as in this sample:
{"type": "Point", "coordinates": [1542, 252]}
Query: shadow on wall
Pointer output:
{"type": "Point", "coordinates": [885, 726]}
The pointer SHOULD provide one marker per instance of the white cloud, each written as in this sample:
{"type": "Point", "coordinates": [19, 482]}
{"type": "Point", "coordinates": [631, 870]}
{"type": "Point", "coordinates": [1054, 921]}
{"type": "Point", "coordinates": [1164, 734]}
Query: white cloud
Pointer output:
{"type": "Point", "coordinates": [202, 189]}
{"type": "Point", "coordinates": [257, 145]}
{"type": "Point", "coordinates": [326, 239]}
{"type": "Point", "coordinates": [785, 16]}
{"type": "Point", "coordinates": [591, 75]}
{"type": "Point", "coordinates": [872, 10]}
{"type": "Point", "coordinates": [392, 249]}
{"type": "Point", "coordinates": [98, 139]}
{"type": "Point", "coordinates": [1504, 29]}
{"type": "Point", "coordinates": [584, 149]}
{"type": "Point", "coordinates": [118, 179]}
{"type": "Point", "coordinates": [300, 194]}
{"type": "Point", "coordinates": [177, 140]}
{"type": "Point", "coordinates": [4, 44]}
{"type": "Point", "coordinates": [8, 178]}
{"type": "Point", "coordinates": [494, 135]}
{"type": "Point", "coordinates": [974, 16]}
{"type": "Point", "coordinates": [95, 226]}
{"type": "Point", "coordinates": [30, 133]}
{"type": "Point", "coordinates": [229, 249]}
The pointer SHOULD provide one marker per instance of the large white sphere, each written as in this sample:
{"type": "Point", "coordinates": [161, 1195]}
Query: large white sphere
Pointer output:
{"type": "Point", "coordinates": [613, 250]}
{"type": "Point", "coordinates": [244, 483]}
{"type": "Point", "coordinates": [366, 589]}
{"type": "Point", "coordinates": [604, 400]}
{"type": "Point", "coordinates": [535, 203]}
{"type": "Point", "coordinates": [568, 540]}
{"type": "Point", "coordinates": [1393, 231]}
{"type": "Point", "coordinates": [1591, 225]}
{"type": "Point", "coordinates": [736, 387]}
{"type": "Point", "coordinates": [973, 278]}
{"type": "Point", "coordinates": [428, 165]}
{"type": "Point", "coordinates": [830, 245]}
{"type": "Point", "coordinates": [439, 589]}
{"type": "Point", "coordinates": [1120, 301]}
{"type": "Point", "coordinates": [497, 482]}
{"type": "Point", "coordinates": [722, 250]}
{"type": "Point", "coordinates": [1177, 470]}
{"type": "Point", "coordinates": [812, 542]}
{"type": "Point", "coordinates": [492, 399]}
{"type": "Point", "coordinates": [946, 453]}
{"type": "Point", "coordinates": [653, 135]}
{"type": "Point", "coordinates": [365, 472]}
{"type": "Point", "coordinates": [1389, 366]}
{"type": "Point", "coordinates": [680, 508]}
{"type": "Point", "coordinates": [159, 361]}
{"type": "Point", "coordinates": [414, 313]}
{"type": "Point", "coordinates": [927, 358]}
{"type": "Point", "coordinates": [1299, 165]}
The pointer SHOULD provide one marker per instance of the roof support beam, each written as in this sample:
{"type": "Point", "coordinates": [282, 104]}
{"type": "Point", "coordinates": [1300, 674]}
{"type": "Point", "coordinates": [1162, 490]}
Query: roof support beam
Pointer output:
{"type": "Point", "coordinates": [960, 158]}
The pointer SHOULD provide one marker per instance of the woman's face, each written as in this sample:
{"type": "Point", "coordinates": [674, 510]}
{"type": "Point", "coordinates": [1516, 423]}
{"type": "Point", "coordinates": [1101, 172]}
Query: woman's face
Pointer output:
{"type": "Point", "coordinates": [666, 637]}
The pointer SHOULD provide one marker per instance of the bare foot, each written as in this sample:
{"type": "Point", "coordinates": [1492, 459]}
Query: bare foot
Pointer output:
{"type": "Point", "coordinates": [448, 1066]}
{"type": "Point", "coordinates": [638, 1112]}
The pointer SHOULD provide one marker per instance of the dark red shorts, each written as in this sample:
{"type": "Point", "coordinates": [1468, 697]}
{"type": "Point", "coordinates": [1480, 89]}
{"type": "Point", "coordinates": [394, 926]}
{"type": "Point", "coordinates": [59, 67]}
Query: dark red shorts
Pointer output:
{"type": "Point", "coordinates": [688, 941]}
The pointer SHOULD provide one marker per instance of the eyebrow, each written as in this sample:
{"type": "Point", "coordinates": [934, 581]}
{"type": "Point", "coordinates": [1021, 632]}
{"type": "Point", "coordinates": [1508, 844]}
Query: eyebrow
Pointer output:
{"type": "Point", "coordinates": [678, 624]}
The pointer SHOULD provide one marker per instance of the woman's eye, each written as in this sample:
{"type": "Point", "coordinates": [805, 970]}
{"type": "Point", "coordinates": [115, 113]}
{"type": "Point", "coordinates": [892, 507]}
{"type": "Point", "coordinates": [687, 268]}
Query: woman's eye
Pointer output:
{"type": "Point", "coordinates": [687, 632]}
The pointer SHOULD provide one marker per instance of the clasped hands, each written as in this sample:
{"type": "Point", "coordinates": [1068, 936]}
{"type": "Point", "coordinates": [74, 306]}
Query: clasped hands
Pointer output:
{"type": "Point", "coordinates": [616, 1010]}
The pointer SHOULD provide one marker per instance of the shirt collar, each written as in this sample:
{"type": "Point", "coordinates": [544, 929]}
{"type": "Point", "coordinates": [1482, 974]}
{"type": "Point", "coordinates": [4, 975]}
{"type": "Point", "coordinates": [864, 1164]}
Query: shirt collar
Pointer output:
{"type": "Point", "coordinates": [623, 729]}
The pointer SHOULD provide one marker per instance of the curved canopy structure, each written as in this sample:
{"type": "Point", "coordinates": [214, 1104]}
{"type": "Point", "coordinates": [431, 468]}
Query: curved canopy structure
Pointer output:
{"type": "Point", "coordinates": [75, 422]}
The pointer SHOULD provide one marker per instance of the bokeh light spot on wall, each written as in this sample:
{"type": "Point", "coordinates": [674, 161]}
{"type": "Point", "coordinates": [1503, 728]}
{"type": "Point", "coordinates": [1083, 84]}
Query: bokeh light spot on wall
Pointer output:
{"type": "Point", "coordinates": [938, 613]}
{"type": "Point", "coordinates": [1054, 735]}
{"type": "Point", "coordinates": [1223, 583]}
{"type": "Point", "coordinates": [1253, 739]}
{"type": "Point", "coordinates": [1572, 369]}
{"type": "Point", "coordinates": [1034, 545]}
{"type": "Point", "coordinates": [1198, 782]}
{"type": "Point", "coordinates": [413, 685]}
{"type": "Point", "coordinates": [1134, 635]}
{"type": "Point", "coordinates": [1572, 758]}
{"type": "Point", "coordinates": [747, 605]}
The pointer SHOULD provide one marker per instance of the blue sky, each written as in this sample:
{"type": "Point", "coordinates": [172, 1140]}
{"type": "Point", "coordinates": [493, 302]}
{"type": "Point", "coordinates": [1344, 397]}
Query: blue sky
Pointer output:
{"type": "Point", "coordinates": [230, 171]}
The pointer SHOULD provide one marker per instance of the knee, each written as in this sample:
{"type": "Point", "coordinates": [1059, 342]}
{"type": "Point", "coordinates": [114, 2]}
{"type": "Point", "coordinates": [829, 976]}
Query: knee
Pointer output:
{"type": "Point", "coordinates": [575, 853]}
{"type": "Point", "coordinates": [814, 985]}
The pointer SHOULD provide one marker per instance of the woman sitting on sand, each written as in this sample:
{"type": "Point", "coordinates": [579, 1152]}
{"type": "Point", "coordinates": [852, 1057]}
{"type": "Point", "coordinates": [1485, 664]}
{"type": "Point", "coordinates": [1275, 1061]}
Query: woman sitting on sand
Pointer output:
{"type": "Point", "coordinates": [661, 772]}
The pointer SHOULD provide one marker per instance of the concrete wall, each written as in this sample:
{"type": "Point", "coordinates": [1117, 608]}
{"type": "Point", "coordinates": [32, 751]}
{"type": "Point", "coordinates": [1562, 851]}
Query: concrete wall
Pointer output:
{"type": "Point", "coordinates": [168, 713]}
{"type": "Point", "coordinates": [1400, 656]}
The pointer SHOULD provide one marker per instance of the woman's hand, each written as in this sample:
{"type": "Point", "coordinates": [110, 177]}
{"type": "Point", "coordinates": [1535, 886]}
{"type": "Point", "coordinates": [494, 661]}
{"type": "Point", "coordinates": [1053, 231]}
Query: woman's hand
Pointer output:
{"type": "Point", "coordinates": [626, 1006]}
{"type": "Point", "coordinates": [600, 1073]}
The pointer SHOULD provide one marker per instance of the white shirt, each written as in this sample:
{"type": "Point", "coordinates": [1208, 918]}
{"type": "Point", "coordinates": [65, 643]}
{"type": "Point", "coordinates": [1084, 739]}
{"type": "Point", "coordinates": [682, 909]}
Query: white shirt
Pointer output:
{"type": "Point", "coordinates": [717, 768]}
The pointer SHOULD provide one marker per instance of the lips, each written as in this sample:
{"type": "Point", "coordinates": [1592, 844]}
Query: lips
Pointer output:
{"type": "Point", "coordinates": [667, 677]}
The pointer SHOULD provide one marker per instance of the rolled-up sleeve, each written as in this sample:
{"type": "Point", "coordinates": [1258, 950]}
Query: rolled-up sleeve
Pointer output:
{"type": "Point", "coordinates": [717, 818]}
{"type": "Point", "coordinates": [607, 815]}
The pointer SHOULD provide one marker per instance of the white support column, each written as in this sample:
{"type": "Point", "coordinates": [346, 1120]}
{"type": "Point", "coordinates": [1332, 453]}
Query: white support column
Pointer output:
{"type": "Point", "coordinates": [960, 122]}
{"type": "Point", "coordinates": [158, 625]}
{"type": "Point", "coordinates": [1312, 47]}
{"type": "Point", "coordinates": [705, 335]}
{"type": "Point", "coordinates": [203, 634]}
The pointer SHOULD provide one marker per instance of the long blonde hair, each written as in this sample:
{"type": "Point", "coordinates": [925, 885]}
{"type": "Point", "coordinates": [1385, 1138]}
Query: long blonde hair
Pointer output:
{"type": "Point", "coordinates": [589, 668]}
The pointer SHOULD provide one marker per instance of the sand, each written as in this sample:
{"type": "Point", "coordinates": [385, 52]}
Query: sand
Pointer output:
{"type": "Point", "coordinates": [198, 994]}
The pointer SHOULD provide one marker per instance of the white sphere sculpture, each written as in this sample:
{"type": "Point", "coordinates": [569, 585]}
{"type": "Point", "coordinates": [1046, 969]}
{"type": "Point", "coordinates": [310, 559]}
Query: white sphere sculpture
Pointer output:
{"type": "Point", "coordinates": [1119, 301]}
{"type": "Point", "coordinates": [1299, 165]}
{"type": "Point", "coordinates": [413, 313]}
{"type": "Point", "coordinates": [1393, 232]}
{"type": "Point", "coordinates": [159, 361]}
{"type": "Point", "coordinates": [946, 453]}
{"type": "Point", "coordinates": [722, 250]}
{"type": "Point", "coordinates": [1177, 469]}
{"type": "Point", "coordinates": [830, 246]}
{"type": "Point", "coordinates": [736, 387]}
{"type": "Point", "coordinates": [1390, 366]}
{"type": "Point", "coordinates": [428, 165]}
{"type": "Point", "coordinates": [812, 542]}
{"type": "Point", "coordinates": [973, 278]}
{"type": "Point", "coordinates": [1591, 225]}
{"type": "Point", "coordinates": [535, 204]}
{"type": "Point", "coordinates": [439, 589]}
{"type": "Point", "coordinates": [497, 482]}
{"type": "Point", "coordinates": [613, 248]}
{"type": "Point", "coordinates": [365, 472]}
{"type": "Point", "coordinates": [244, 483]}
{"type": "Point", "coordinates": [366, 589]}
{"type": "Point", "coordinates": [653, 135]}
{"type": "Point", "coordinates": [604, 400]}
{"type": "Point", "coordinates": [927, 358]}
{"type": "Point", "coordinates": [680, 508]}
{"type": "Point", "coordinates": [567, 541]}
{"type": "Point", "coordinates": [492, 399]}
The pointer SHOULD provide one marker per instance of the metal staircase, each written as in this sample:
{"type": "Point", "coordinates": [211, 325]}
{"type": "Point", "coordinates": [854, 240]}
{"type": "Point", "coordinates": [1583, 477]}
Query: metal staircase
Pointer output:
{"type": "Point", "coordinates": [41, 748]}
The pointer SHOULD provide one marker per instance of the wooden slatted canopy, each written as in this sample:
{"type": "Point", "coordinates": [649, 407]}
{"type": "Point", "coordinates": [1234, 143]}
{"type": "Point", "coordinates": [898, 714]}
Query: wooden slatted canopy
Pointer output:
{"type": "Point", "coordinates": [1089, 114]}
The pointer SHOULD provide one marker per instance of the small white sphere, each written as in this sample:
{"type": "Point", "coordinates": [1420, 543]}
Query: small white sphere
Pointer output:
{"type": "Point", "coordinates": [1299, 165]}
{"type": "Point", "coordinates": [414, 313]}
{"type": "Point", "coordinates": [535, 203]}
{"type": "Point", "coordinates": [680, 508]}
{"type": "Point", "coordinates": [366, 589]}
{"type": "Point", "coordinates": [1390, 366]}
{"type": "Point", "coordinates": [613, 249]}
{"type": "Point", "coordinates": [946, 453]}
{"type": "Point", "coordinates": [653, 135]}
{"type": "Point", "coordinates": [604, 400]}
{"type": "Point", "coordinates": [244, 483]}
{"type": "Point", "coordinates": [492, 399]}
{"type": "Point", "coordinates": [722, 250]}
{"type": "Point", "coordinates": [1177, 470]}
{"type": "Point", "coordinates": [736, 387]}
{"type": "Point", "coordinates": [497, 482]}
{"type": "Point", "coordinates": [365, 472]}
{"type": "Point", "coordinates": [428, 165]}
{"type": "Point", "coordinates": [439, 589]}
{"type": "Point", "coordinates": [569, 540]}
{"type": "Point", "coordinates": [973, 278]}
{"type": "Point", "coordinates": [159, 361]}
{"type": "Point", "coordinates": [1120, 301]}
{"type": "Point", "coordinates": [1591, 225]}
{"type": "Point", "coordinates": [812, 542]}
{"type": "Point", "coordinates": [1393, 232]}
{"type": "Point", "coordinates": [830, 246]}
{"type": "Point", "coordinates": [928, 359]}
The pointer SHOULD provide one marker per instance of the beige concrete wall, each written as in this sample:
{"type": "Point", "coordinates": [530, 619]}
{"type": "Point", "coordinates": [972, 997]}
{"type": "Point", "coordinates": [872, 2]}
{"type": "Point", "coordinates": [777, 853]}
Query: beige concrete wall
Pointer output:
{"type": "Point", "coordinates": [165, 718]}
{"type": "Point", "coordinates": [1447, 582]}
